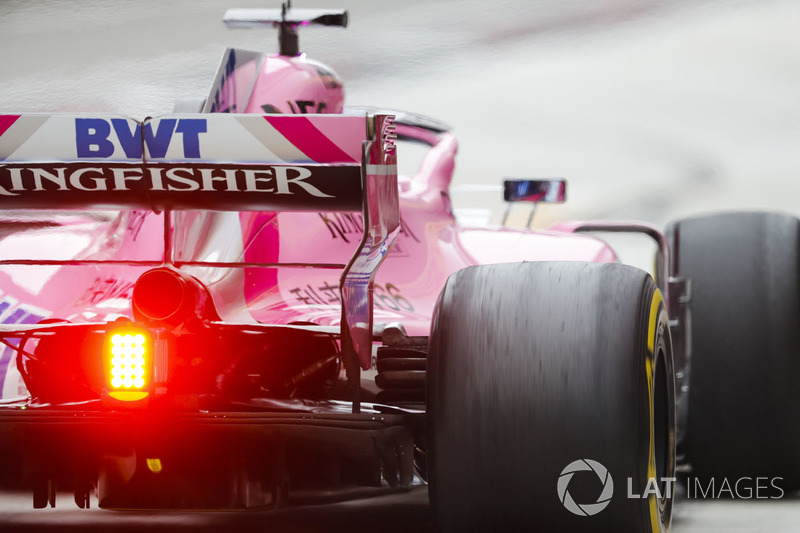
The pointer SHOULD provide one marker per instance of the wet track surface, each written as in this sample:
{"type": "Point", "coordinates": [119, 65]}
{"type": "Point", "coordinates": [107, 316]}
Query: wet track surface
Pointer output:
{"type": "Point", "coordinates": [392, 513]}
{"type": "Point", "coordinates": [652, 109]}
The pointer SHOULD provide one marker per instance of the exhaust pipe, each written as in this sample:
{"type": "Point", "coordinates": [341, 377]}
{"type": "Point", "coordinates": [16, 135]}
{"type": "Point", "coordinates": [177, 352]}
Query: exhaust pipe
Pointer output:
{"type": "Point", "coordinates": [170, 296]}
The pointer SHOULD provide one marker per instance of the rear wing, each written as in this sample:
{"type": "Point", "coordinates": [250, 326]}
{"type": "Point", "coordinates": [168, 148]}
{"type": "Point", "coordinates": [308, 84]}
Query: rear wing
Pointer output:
{"type": "Point", "coordinates": [219, 162]}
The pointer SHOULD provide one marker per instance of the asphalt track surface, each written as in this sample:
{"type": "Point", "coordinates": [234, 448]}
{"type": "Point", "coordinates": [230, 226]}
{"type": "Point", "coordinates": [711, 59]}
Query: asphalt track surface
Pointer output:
{"type": "Point", "coordinates": [394, 513]}
{"type": "Point", "coordinates": [653, 109]}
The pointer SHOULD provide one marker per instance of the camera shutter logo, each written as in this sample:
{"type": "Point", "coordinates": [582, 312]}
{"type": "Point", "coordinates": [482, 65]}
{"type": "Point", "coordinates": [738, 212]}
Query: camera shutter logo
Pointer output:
{"type": "Point", "coordinates": [585, 509]}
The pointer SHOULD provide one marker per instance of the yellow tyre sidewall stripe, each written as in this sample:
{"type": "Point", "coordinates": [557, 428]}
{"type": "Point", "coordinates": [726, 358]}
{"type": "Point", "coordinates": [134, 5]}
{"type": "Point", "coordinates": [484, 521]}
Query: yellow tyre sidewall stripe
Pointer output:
{"type": "Point", "coordinates": [655, 307]}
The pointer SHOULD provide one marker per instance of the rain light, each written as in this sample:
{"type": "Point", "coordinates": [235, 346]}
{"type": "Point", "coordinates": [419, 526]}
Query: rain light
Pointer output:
{"type": "Point", "coordinates": [128, 356]}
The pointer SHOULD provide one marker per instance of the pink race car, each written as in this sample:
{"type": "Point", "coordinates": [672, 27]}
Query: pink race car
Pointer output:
{"type": "Point", "coordinates": [276, 318]}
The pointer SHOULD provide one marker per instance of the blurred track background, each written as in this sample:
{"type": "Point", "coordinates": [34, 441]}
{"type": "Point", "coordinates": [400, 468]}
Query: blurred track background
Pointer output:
{"type": "Point", "coordinates": [653, 109]}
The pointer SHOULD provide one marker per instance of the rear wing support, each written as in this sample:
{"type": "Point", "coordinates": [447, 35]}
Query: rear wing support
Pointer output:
{"type": "Point", "coordinates": [217, 162]}
{"type": "Point", "coordinates": [381, 212]}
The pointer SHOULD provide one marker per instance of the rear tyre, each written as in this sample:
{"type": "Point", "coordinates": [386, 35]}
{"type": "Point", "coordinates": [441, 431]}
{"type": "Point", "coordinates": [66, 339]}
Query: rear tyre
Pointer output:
{"type": "Point", "coordinates": [543, 379]}
{"type": "Point", "coordinates": [743, 394]}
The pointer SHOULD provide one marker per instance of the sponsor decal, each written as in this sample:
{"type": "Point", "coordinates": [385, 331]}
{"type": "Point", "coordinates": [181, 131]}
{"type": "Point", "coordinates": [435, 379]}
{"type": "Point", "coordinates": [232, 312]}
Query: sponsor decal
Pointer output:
{"type": "Point", "coordinates": [105, 288]}
{"type": "Point", "coordinates": [224, 98]}
{"type": "Point", "coordinates": [347, 226]}
{"type": "Point", "coordinates": [92, 137]}
{"type": "Point", "coordinates": [385, 296]}
{"type": "Point", "coordinates": [344, 226]}
{"type": "Point", "coordinates": [97, 183]}
{"type": "Point", "coordinates": [83, 177]}
{"type": "Point", "coordinates": [136, 220]}
{"type": "Point", "coordinates": [326, 294]}
{"type": "Point", "coordinates": [328, 77]}
{"type": "Point", "coordinates": [389, 297]}
{"type": "Point", "coordinates": [302, 107]}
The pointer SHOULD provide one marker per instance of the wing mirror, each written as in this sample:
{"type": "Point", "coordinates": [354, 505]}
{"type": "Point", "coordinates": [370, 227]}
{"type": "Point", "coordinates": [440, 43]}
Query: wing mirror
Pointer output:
{"type": "Point", "coordinates": [551, 191]}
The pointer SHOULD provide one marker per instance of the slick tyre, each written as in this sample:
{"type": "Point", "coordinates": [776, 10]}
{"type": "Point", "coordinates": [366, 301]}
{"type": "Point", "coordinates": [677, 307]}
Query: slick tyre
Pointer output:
{"type": "Point", "coordinates": [545, 381]}
{"type": "Point", "coordinates": [743, 396]}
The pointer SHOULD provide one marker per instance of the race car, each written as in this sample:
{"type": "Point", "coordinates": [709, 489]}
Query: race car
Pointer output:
{"type": "Point", "coordinates": [243, 306]}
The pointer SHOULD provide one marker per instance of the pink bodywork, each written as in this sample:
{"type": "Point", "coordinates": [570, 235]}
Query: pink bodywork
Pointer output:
{"type": "Point", "coordinates": [430, 246]}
